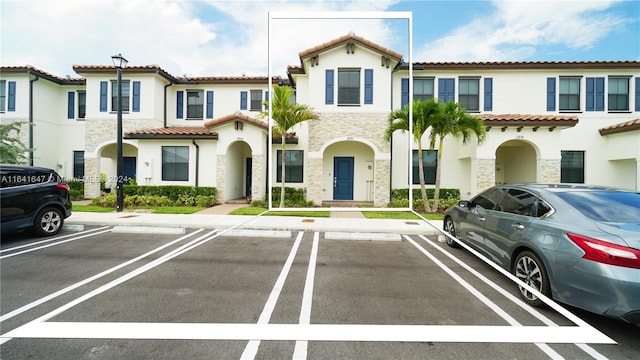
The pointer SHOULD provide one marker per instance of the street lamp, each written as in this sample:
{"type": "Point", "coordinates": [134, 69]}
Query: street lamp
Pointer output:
{"type": "Point", "coordinates": [120, 63]}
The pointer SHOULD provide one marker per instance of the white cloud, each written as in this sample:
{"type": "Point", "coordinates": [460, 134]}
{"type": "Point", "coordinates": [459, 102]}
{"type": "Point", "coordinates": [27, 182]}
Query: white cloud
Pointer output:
{"type": "Point", "coordinates": [183, 37]}
{"type": "Point", "coordinates": [517, 29]}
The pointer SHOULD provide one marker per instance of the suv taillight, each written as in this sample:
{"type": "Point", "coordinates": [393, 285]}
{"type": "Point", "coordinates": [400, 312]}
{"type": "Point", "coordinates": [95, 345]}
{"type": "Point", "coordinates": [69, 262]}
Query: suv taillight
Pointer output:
{"type": "Point", "coordinates": [606, 252]}
{"type": "Point", "coordinates": [63, 186]}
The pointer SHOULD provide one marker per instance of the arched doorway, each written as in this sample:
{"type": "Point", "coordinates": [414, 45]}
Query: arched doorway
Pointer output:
{"type": "Point", "coordinates": [238, 171]}
{"type": "Point", "coordinates": [108, 163]}
{"type": "Point", "coordinates": [516, 162]}
{"type": "Point", "coordinates": [348, 171]}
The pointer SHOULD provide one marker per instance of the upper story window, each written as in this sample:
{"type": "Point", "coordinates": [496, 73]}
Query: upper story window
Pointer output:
{"type": "Point", "coordinates": [618, 94]}
{"type": "Point", "coordinates": [422, 89]}
{"type": "Point", "coordinates": [7, 95]}
{"type": "Point", "coordinates": [469, 93]}
{"type": "Point", "coordinates": [569, 98]}
{"type": "Point", "coordinates": [195, 104]}
{"type": "Point", "coordinates": [3, 95]}
{"type": "Point", "coordinates": [348, 86]}
{"type": "Point", "coordinates": [125, 95]}
{"type": "Point", "coordinates": [256, 100]}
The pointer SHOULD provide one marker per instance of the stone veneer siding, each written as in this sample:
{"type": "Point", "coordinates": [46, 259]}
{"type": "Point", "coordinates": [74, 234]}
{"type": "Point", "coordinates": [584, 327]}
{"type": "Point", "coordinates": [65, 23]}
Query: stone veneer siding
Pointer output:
{"type": "Point", "coordinates": [351, 127]}
{"type": "Point", "coordinates": [257, 177]}
{"type": "Point", "coordinates": [549, 170]}
{"type": "Point", "coordinates": [220, 174]}
{"type": "Point", "coordinates": [485, 173]}
{"type": "Point", "coordinates": [101, 131]}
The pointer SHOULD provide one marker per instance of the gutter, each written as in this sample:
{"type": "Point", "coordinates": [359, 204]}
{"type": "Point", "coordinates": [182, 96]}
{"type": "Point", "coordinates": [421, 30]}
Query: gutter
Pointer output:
{"type": "Point", "coordinates": [31, 81]}
{"type": "Point", "coordinates": [193, 141]}
{"type": "Point", "coordinates": [165, 101]}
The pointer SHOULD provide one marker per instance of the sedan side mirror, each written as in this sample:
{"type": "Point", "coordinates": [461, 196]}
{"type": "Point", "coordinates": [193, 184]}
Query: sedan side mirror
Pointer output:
{"type": "Point", "coordinates": [464, 203]}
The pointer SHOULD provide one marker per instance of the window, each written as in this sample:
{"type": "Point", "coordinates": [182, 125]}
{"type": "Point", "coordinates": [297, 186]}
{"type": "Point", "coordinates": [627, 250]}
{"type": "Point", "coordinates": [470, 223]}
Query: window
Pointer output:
{"type": "Point", "coordinates": [469, 94]}
{"type": "Point", "coordinates": [618, 94]}
{"type": "Point", "coordinates": [569, 94]}
{"type": "Point", "coordinates": [488, 199]}
{"type": "Point", "coordinates": [429, 162]}
{"type": "Point", "coordinates": [422, 89]}
{"type": "Point", "coordinates": [195, 104]}
{"type": "Point", "coordinates": [3, 95]}
{"type": "Point", "coordinates": [572, 167]}
{"type": "Point", "coordinates": [256, 100]}
{"type": "Point", "coordinates": [518, 202]}
{"type": "Point", "coordinates": [348, 86]}
{"type": "Point", "coordinates": [175, 163]}
{"type": "Point", "coordinates": [294, 165]}
{"type": "Point", "coordinates": [78, 164]}
{"type": "Point", "coordinates": [125, 95]}
{"type": "Point", "coordinates": [82, 104]}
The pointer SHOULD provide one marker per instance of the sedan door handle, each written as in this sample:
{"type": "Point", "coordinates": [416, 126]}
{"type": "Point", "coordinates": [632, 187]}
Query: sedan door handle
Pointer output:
{"type": "Point", "coordinates": [517, 226]}
{"type": "Point", "coordinates": [482, 219]}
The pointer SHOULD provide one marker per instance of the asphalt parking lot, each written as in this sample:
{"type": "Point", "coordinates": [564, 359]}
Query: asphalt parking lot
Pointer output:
{"type": "Point", "coordinates": [113, 293]}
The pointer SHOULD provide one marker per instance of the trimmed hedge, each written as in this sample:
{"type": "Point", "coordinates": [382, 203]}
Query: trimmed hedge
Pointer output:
{"type": "Point", "coordinates": [172, 192]}
{"type": "Point", "coordinates": [398, 194]}
{"type": "Point", "coordinates": [293, 197]}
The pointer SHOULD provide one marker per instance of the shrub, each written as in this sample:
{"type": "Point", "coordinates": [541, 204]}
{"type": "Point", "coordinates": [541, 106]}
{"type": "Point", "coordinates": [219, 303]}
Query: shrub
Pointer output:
{"type": "Point", "coordinates": [293, 197]}
{"type": "Point", "coordinates": [205, 200]}
{"type": "Point", "coordinates": [110, 200]}
{"type": "Point", "coordinates": [175, 193]}
{"type": "Point", "coordinates": [417, 194]}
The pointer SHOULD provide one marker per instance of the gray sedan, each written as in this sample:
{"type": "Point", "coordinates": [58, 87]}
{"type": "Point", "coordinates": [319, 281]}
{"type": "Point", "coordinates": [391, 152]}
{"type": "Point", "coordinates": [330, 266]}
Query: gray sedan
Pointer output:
{"type": "Point", "coordinates": [577, 244]}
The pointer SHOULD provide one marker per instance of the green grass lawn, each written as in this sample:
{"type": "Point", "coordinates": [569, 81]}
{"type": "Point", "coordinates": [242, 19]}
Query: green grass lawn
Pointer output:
{"type": "Point", "coordinates": [90, 208]}
{"type": "Point", "coordinates": [155, 210]}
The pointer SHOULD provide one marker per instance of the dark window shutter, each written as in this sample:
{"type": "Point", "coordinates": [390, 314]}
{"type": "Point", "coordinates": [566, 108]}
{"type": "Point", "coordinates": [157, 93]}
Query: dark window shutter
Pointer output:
{"type": "Point", "coordinates": [71, 96]}
{"type": "Point", "coordinates": [180, 105]}
{"type": "Point", "coordinates": [599, 94]}
{"type": "Point", "coordinates": [404, 92]}
{"type": "Point", "coordinates": [266, 98]}
{"type": "Point", "coordinates": [328, 90]}
{"type": "Point", "coordinates": [591, 94]}
{"type": "Point", "coordinates": [11, 99]}
{"type": "Point", "coordinates": [136, 96]}
{"type": "Point", "coordinates": [488, 94]}
{"type": "Point", "coordinates": [368, 86]}
{"type": "Point", "coordinates": [551, 94]}
{"type": "Point", "coordinates": [103, 96]}
{"type": "Point", "coordinates": [243, 100]}
{"type": "Point", "coordinates": [446, 90]}
{"type": "Point", "coordinates": [209, 104]}
{"type": "Point", "coordinates": [638, 94]}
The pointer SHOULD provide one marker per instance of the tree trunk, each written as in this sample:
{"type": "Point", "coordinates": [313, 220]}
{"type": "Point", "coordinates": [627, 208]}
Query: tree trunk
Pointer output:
{"type": "Point", "coordinates": [436, 194]}
{"type": "Point", "coordinates": [283, 158]}
{"type": "Point", "coordinates": [425, 198]}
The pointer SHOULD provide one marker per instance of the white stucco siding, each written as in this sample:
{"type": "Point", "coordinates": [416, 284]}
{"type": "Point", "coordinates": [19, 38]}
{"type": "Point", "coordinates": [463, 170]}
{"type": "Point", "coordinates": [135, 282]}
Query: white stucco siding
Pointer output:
{"type": "Point", "coordinates": [336, 59]}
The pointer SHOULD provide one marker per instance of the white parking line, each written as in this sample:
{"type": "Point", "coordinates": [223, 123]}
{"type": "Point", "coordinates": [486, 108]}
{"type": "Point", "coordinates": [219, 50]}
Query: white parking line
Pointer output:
{"type": "Point", "coordinates": [310, 332]}
{"type": "Point", "coordinates": [300, 350]}
{"type": "Point", "coordinates": [74, 238]}
{"type": "Point", "coordinates": [251, 349]}
{"type": "Point", "coordinates": [69, 288]}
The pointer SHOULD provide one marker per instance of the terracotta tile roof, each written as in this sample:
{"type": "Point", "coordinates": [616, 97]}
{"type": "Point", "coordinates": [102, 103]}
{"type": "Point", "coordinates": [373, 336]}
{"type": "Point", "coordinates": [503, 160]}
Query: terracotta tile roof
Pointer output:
{"type": "Point", "coordinates": [236, 116]}
{"type": "Point", "coordinates": [630, 125]}
{"type": "Point", "coordinates": [34, 70]}
{"type": "Point", "coordinates": [231, 79]}
{"type": "Point", "coordinates": [173, 132]}
{"type": "Point", "coordinates": [110, 69]}
{"type": "Point", "coordinates": [521, 120]}
{"type": "Point", "coordinates": [545, 65]}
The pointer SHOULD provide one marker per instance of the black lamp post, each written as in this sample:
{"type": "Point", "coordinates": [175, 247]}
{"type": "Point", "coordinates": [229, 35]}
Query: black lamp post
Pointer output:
{"type": "Point", "coordinates": [120, 63]}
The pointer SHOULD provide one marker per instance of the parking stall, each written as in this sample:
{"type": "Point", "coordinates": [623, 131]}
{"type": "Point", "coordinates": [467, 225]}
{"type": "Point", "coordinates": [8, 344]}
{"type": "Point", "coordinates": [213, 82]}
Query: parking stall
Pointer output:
{"type": "Point", "coordinates": [237, 294]}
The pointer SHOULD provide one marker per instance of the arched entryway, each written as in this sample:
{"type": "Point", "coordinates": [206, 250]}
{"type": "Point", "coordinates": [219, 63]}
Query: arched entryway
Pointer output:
{"type": "Point", "coordinates": [238, 171]}
{"type": "Point", "coordinates": [516, 162]}
{"type": "Point", "coordinates": [108, 163]}
{"type": "Point", "coordinates": [348, 172]}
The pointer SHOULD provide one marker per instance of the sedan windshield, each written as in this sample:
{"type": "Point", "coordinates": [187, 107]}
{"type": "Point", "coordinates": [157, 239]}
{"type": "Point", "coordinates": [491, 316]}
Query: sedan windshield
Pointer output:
{"type": "Point", "coordinates": [606, 206]}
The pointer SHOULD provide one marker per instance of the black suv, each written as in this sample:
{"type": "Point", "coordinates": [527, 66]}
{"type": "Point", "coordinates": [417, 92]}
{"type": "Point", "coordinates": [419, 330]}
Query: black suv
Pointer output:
{"type": "Point", "coordinates": [33, 198]}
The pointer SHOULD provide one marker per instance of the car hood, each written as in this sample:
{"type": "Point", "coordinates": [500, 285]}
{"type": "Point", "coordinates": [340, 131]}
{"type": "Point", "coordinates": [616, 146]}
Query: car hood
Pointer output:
{"type": "Point", "coordinates": [629, 232]}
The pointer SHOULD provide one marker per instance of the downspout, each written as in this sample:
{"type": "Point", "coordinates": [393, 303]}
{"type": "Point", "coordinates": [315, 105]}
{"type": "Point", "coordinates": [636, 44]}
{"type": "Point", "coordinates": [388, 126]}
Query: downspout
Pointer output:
{"type": "Point", "coordinates": [165, 104]}
{"type": "Point", "coordinates": [31, 116]}
{"type": "Point", "coordinates": [193, 141]}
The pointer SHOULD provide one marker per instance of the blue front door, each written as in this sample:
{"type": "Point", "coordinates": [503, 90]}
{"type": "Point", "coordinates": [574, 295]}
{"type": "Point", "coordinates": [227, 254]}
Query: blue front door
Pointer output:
{"type": "Point", "coordinates": [343, 178]}
{"type": "Point", "coordinates": [128, 168]}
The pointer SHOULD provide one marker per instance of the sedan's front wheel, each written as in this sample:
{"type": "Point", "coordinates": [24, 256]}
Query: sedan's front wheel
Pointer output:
{"type": "Point", "coordinates": [450, 227]}
{"type": "Point", "coordinates": [48, 222]}
{"type": "Point", "coordinates": [529, 269]}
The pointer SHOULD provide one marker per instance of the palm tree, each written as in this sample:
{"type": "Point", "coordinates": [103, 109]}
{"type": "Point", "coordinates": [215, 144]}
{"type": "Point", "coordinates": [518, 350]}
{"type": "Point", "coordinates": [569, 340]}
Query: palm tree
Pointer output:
{"type": "Point", "coordinates": [423, 115]}
{"type": "Point", "coordinates": [452, 119]}
{"type": "Point", "coordinates": [286, 115]}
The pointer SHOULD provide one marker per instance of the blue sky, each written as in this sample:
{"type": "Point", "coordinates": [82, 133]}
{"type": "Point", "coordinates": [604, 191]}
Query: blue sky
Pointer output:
{"type": "Point", "coordinates": [213, 38]}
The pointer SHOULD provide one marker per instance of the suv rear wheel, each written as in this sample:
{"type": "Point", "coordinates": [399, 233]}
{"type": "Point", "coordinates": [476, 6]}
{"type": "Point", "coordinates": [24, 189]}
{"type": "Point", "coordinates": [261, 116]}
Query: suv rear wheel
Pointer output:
{"type": "Point", "coordinates": [48, 222]}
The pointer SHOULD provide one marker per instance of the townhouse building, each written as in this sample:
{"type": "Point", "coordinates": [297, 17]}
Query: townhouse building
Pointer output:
{"type": "Point", "coordinates": [576, 122]}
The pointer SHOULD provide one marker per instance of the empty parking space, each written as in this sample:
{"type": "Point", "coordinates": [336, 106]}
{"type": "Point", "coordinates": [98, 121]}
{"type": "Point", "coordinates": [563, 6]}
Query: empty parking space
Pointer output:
{"type": "Point", "coordinates": [207, 293]}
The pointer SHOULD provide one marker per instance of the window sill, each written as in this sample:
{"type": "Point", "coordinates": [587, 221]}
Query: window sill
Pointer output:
{"type": "Point", "coordinates": [619, 111]}
{"type": "Point", "coordinates": [349, 105]}
{"type": "Point", "coordinates": [191, 119]}
{"type": "Point", "coordinates": [570, 111]}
